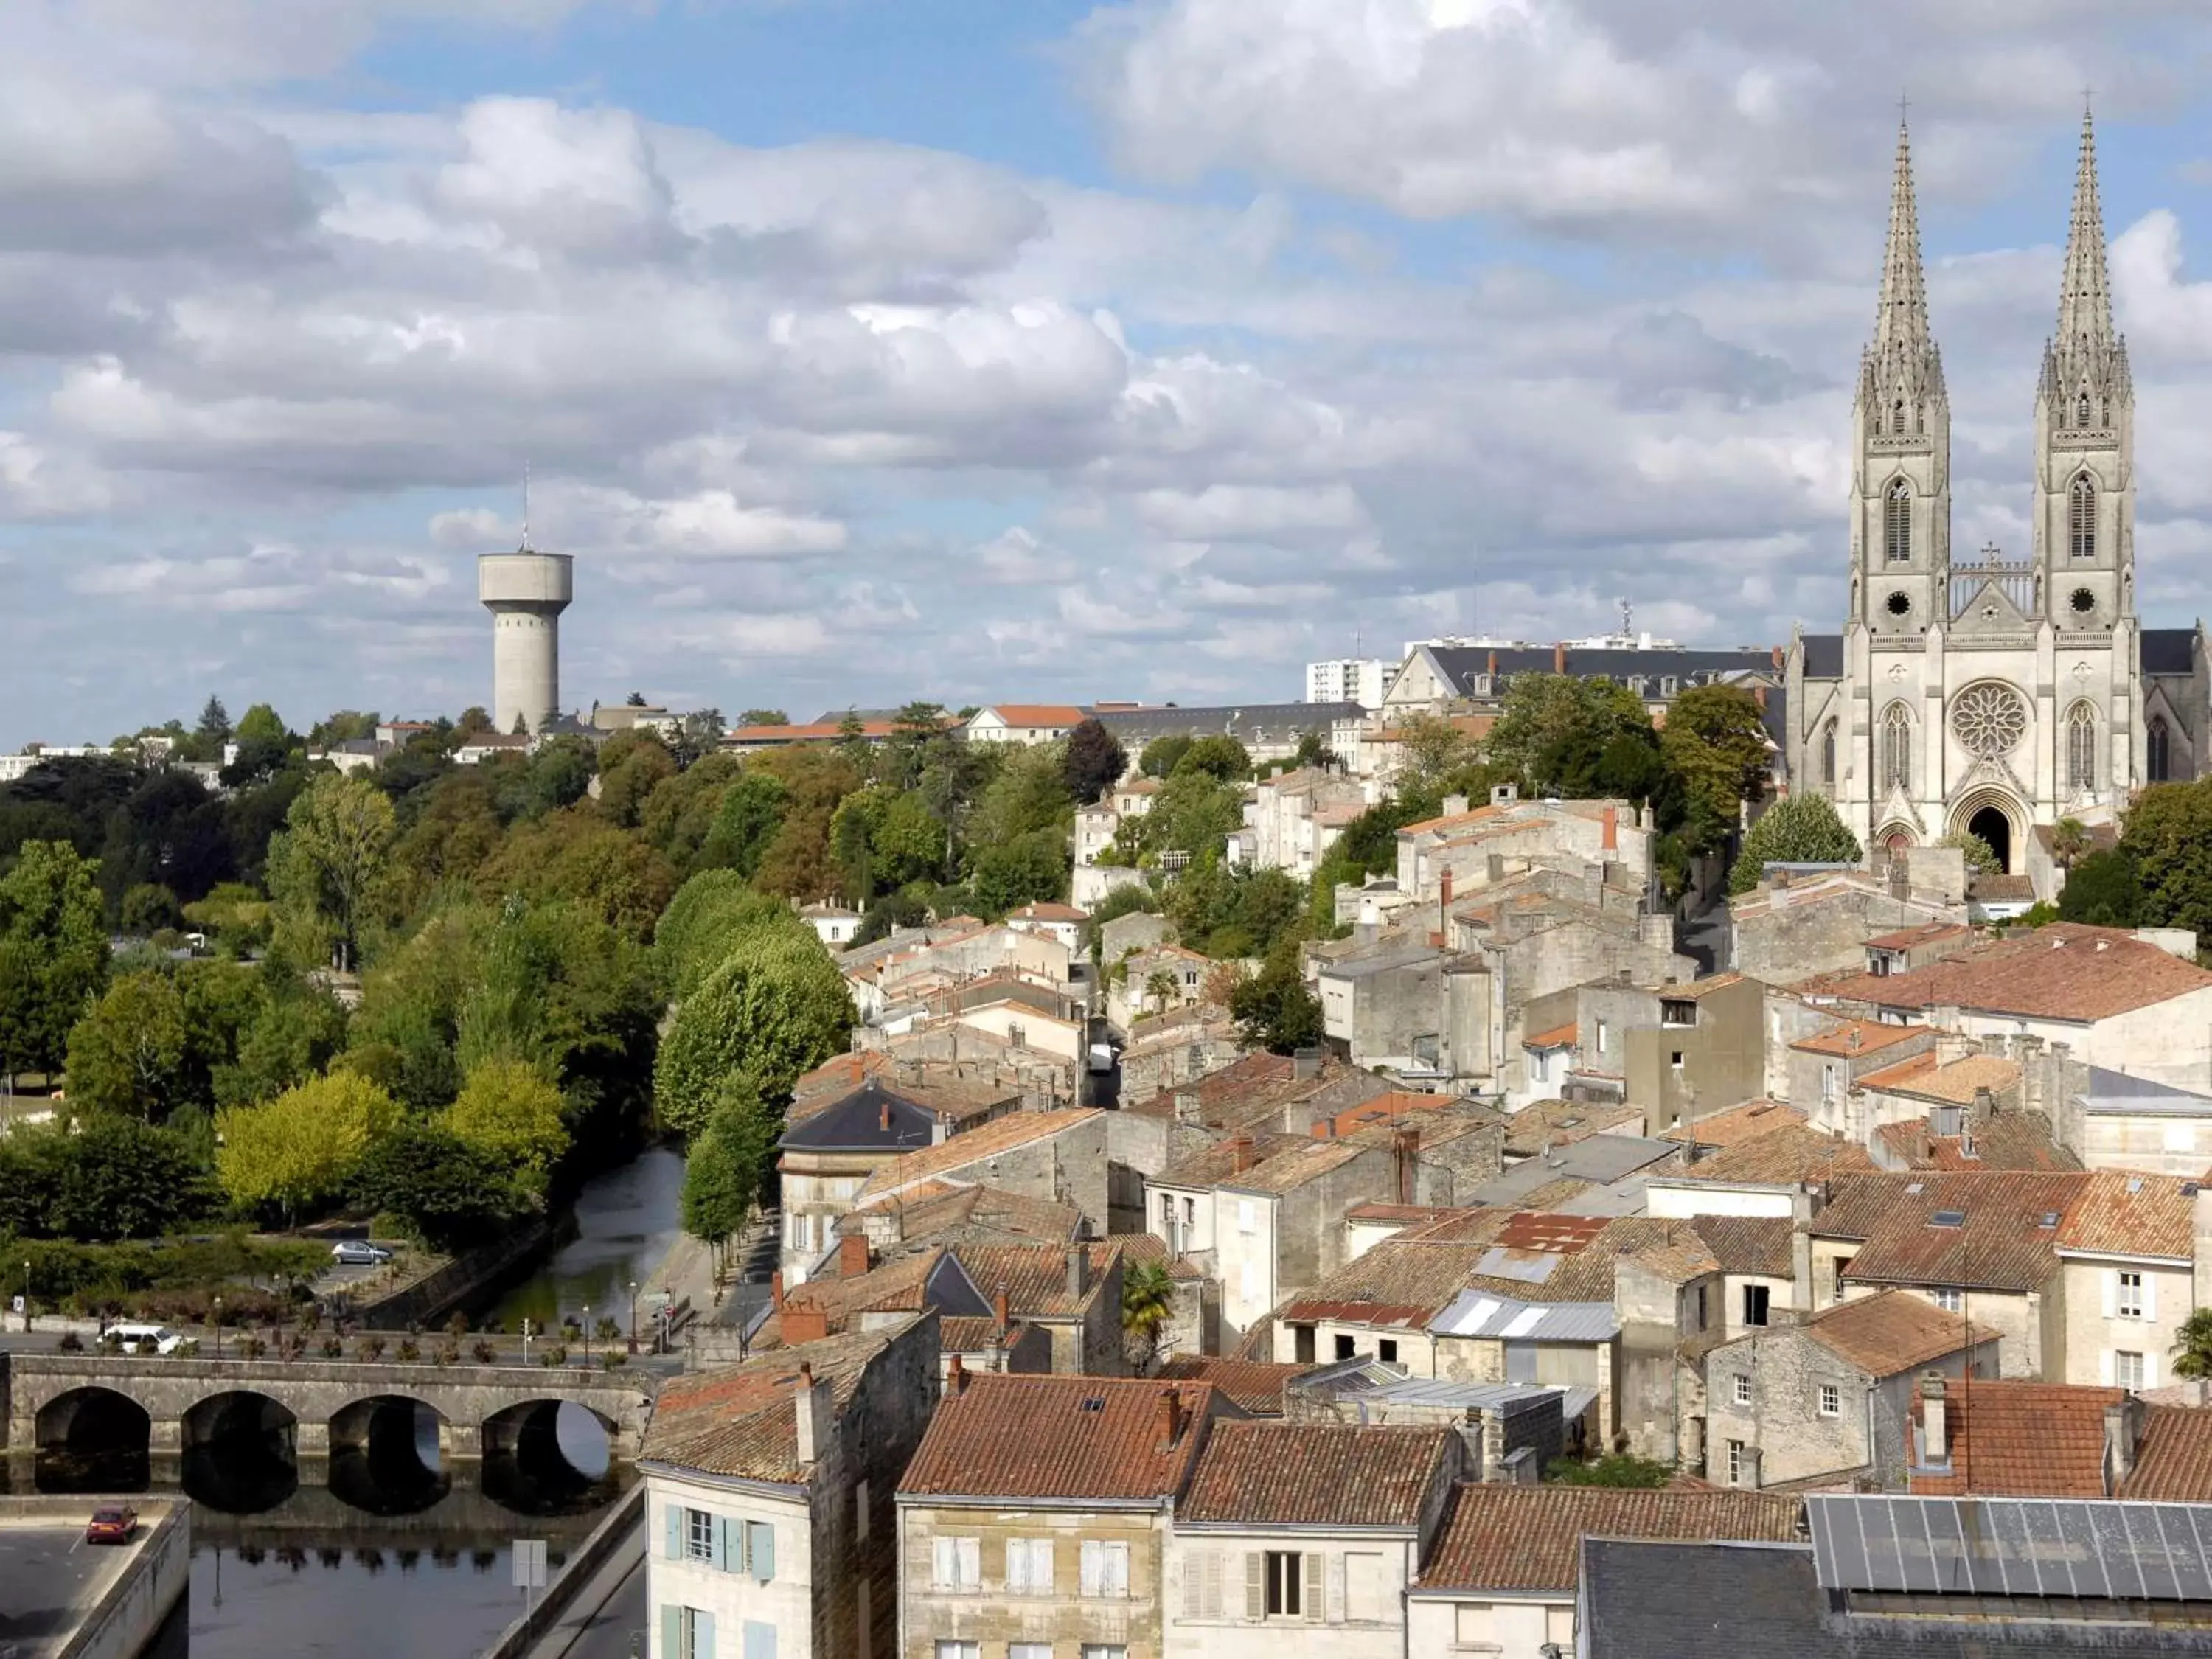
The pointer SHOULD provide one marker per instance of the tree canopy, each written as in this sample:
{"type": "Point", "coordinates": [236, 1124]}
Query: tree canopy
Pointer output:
{"type": "Point", "coordinates": [1799, 829]}
{"type": "Point", "coordinates": [775, 1008]}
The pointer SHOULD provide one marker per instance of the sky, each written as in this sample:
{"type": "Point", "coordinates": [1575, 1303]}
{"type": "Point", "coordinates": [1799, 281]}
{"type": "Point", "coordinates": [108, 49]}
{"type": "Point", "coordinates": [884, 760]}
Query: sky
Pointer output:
{"type": "Point", "coordinates": [864, 350]}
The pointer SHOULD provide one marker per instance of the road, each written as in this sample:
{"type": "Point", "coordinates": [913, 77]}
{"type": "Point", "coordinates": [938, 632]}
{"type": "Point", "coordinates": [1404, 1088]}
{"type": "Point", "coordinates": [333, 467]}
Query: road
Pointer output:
{"type": "Point", "coordinates": [50, 1577]}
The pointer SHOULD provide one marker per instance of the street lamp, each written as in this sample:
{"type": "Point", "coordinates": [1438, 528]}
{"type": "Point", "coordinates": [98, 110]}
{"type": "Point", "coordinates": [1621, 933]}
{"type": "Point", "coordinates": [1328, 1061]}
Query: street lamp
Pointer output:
{"type": "Point", "coordinates": [633, 1315]}
{"type": "Point", "coordinates": [26, 1298]}
{"type": "Point", "coordinates": [218, 1327]}
{"type": "Point", "coordinates": [587, 1332]}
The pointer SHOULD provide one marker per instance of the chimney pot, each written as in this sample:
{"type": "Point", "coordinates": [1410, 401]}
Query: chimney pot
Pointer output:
{"type": "Point", "coordinates": [1170, 1417]}
{"type": "Point", "coordinates": [1612, 823]}
{"type": "Point", "coordinates": [1000, 1310]}
{"type": "Point", "coordinates": [852, 1256]}
{"type": "Point", "coordinates": [1240, 1155]}
{"type": "Point", "coordinates": [955, 1375]}
{"type": "Point", "coordinates": [1559, 659]}
{"type": "Point", "coordinates": [884, 1117]}
{"type": "Point", "coordinates": [776, 1290]}
{"type": "Point", "coordinates": [1935, 1443]}
{"type": "Point", "coordinates": [1079, 1270]}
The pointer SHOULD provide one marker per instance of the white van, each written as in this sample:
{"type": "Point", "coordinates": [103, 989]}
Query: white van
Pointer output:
{"type": "Point", "coordinates": [142, 1339]}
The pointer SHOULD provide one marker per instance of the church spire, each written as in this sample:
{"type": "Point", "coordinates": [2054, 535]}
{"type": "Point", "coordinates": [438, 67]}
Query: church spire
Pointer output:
{"type": "Point", "coordinates": [2085, 368]}
{"type": "Point", "coordinates": [1902, 369]}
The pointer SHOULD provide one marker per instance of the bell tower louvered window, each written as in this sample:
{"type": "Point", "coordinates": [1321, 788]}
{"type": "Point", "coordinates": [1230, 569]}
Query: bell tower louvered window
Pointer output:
{"type": "Point", "coordinates": [1897, 522]}
{"type": "Point", "coordinates": [2082, 518]}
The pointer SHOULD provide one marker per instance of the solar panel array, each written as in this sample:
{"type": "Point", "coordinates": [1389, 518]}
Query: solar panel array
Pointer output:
{"type": "Point", "coordinates": [2091, 1549]}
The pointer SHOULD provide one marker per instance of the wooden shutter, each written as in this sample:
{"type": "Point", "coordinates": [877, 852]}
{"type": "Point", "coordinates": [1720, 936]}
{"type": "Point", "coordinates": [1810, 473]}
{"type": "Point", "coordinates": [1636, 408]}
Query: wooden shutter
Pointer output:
{"type": "Point", "coordinates": [702, 1634]}
{"type": "Point", "coordinates": [760, 1549]}
{"type": "Point", "coordinates": [1193, 1583]}
{"type": "Point", "coordinates": [2149, 1303]}
{"type": "Point", "coordinates": [2112, 1278]}
{"type": "Point", "coordinates": [1255, 1585]}
{"type": "Point", "coordinates": [728, 1544]}
{"type": "Point", "coordinates": [1213, 1583]}
{"type": "Point", "coordinates": [675, 1539]}
{"type": "Point", "coordinates": [970, 1556]}
{"type": "Point", "coordinates": [672, 1633]}
{"type": "Point", "coordinates": [1314, 1600]}
{"type": "Point", "coordinates": [944, 1563]}
{"type": "Point", "coordinates": [760, 1640]}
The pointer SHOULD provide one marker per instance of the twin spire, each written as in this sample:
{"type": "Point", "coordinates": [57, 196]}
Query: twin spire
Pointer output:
{"type": "Point", "coordinates": [1903, 364]}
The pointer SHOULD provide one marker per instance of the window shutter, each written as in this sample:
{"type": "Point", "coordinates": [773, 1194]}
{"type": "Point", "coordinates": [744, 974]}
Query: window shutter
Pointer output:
{"type": "Point", "coordinates": [2149, 1296]}
{"type": "Point", "coordinates": [1256, 1586]}
{"type": "Point", "coordinates": [760, 1549]}
{"type": "Point", "coordinates": [719, 1542]}
{"type": "Point", "coordinates": [672, 1633]}
{"type": "Point", "coordinates": [760, 1640]}
{"type": "Point", "coordinates": [1040, 1565]}
{"type": "Point", "coordinates": [945, 1564]}
{"type": "Point", "coordinates": [2150, 1359]}
{"type": "Point", "coordinates": [971, 1562]}
{"type": "Point", "coordinates": [2105, 1366]}
{"type": "Point", "coordinates": [1314, 1600]}
{"type": "Point", "coordinates": [2112, 1278]}
{"type": "Point", "coordinates": [1193, 1583]}
{"type": "Point", "coordinates": [702, 1635]}
{"type": "Point", "coordinates": [675, 1544]}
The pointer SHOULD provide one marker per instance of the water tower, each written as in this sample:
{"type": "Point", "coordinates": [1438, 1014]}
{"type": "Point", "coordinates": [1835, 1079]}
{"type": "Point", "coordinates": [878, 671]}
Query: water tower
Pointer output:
{"type": "Point", "coordinates": [525, 593]}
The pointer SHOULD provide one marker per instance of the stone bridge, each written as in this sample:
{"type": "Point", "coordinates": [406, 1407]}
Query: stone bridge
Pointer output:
{"type": "Point", "coordinates": [66, 1401]}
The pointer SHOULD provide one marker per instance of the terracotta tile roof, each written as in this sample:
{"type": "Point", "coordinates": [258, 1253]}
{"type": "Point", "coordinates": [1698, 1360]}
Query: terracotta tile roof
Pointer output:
{"type": "Point", "coordinates": [1529, 1538]}
{"type": "Point", "coordinates": [1401, 1281]}
{"type": "Point", "coordinates": [1891, 1332]}
{"type": "Point", "coordinates": [2116, 1213]}
{"type": "Point", "coordinates": [1006, 1439]}
{"type": "Point", "coordinates": [1035, 1277]}
{"type": "Point", "coordinates": [1254, 1075]}
{"type": "Point", "coordinates": [1384, 1107]}
{"type": "Point", "coordinates": [961, 1151]}
{"type": "Point", "coordinates": [1254, 1385]}
{"type": "Point", "coordinates": [1790, 1154]}
{"type": "Point", "coordinates": [1036, 713]}
{"type": "Point", "coordinates": [893, 1286]}
{"type": "Point", "coordinates": [1047, 912]}
{"type": "Point", "coordinates": [1954, 1084]}
{"type": "Point", "coordinates": [980, 1212]}
{"type": "Point", "coordinates": [2008, 1140]}
{"type": "Point", "coordinates": [1211, 1165]}
{"type": "Point", "coordinates": [1858, 1036]}
{"type": "Point", "coordinates": [1738, 1124]}
{"type": "Point", "coordinates": [2063, 971]}
{"type": "Point", "coordinates": [2021, 1440]}
{"type": "Point", "coordinates": [2174, 1459]}
{"type": "Point", "coordinates": [812, 732]}
{"type": "Point", "coordinates": [1927, 933]}
{"type": "Point", "coordinates": [1311, 1161]}
{"type": "Point", "coordinates": [1559, 1037]}
{"type": "Point", "coordinates": [1554, 1194]}
{"type": "Point", "coordinates": [970, 1335]}
{"type": "Point", "coordinates": [1451, 821]}
{"type": "Point", "coordinates": [1406, 1214]}
{"type": "Point", "coordinates": [1696, 989]}
{"type": "Point", "coordinates": [739, 1421]}
{"type": "Point", "coordinates": [1543, 1123]}
{"type": "Point", "coordinates": [1747, 1243]}
{"type": "Point", "coordinates": [1293, 1474]}
{"type": "Point", "coordinates": [2001, 1244]}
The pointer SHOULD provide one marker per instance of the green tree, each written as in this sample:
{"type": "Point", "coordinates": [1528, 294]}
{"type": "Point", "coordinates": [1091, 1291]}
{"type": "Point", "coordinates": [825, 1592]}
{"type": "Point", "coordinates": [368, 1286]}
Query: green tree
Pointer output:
{"type": "Point", "coordinates": [764, 717]}
{"type": "Point", "coordinates": [2192, 1347]}
{"type": "Point", "coordinates": [1159, 757]}
{"type": "Point", "coordinates": [290, 1031]}
{"type": "Point", "coordinates": [1031, 868]}
{"type": "Point", "coordinates": [127, 1055]}
{"type": "Point", "coordinates": [212, 732]}
{"type": "Point", "coordinates": [1094, 763]}
{"type": "Point", "coordinates": [30, 1180]}
{"type": "Point", "coordinates": [1148, 1304]}
{"type": "Point", "coordinates": [304, 1146]}
{"type": "Point", "coordinates": [2168, 835]}
{"type": "Point", "coordinates": [53, 953]}
{"type": "Point", "coordinates": [450, 1194]}
{"type": "Point", "coordinates": [1799, 829]}
{"type": "Point", "coordinates": [2103, 891]}
{"type": "Point", "coordinates": [1553, 730]}
{"type": "Point", "coordinates": [1218, 756]}
{"type": "Point", "coordinates": [728, 1165]}
{"type": "Point", "coordinates": [1717, 744]}
{"type": "Point", "coordinates": [265, 747]}
{"type": "Point", "coordinates": [1981, 857]}
{"type": "Point", "coordinates": [510, 1111]}
{"type": "Point", "coordinates": [120, 1178]}
{"type": "Point", "coordinates": [711, 1205]}
{"type": "Point", "coordinates": [1614, 1469]}
{"type": "Point", "coordinates": [751, 813]}
{"type": "Point", "coordinates": [2069, 839]}
{"type": "Point", "coordinates": [1273, 1010]}
{"type": "Point", "coordinates": [775, 1007]}
{"type": "Point", "coordinates": [1431, 749]}
{"type": "Point", "coordinates": [908, 842]}
{"type": "Point", "coordinates": [631, 766]}
{"type": "Point", "coordinates": [704, 921]}
{"type": "Point", "coordinates": [148, 909]}
{"type": "Point", "coordinates": [328, 869]}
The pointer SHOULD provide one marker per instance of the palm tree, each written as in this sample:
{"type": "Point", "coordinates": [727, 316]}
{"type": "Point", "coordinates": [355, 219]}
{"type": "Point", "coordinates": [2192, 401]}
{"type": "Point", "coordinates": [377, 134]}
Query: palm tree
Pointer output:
{"type": "Point", "coordinates": [2069, 839]}
{"type": "Point", "coordinates": [1160, 988]}
{"type": "Point", "coordinates": [1147, 1303]}
{"type": "Point", "coordinates": [2192, 1347]}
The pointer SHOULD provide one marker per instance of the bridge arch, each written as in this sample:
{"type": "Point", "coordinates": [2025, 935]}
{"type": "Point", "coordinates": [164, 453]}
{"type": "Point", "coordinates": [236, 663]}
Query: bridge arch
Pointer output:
{"type": "Point", "coordinates": [241, 1450]}
{"type": "Point", "coordinates": [91, 1438]}
{"type": "Point", "coordinates": [390, 1453]}
{"type": "Point", "coordinates": [548, 1456]}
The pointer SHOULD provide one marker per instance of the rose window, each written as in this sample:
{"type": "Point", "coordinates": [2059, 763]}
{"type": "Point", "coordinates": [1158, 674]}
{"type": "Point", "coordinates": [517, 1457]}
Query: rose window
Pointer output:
{"type": "Point", "coordinates": [1989, 719]}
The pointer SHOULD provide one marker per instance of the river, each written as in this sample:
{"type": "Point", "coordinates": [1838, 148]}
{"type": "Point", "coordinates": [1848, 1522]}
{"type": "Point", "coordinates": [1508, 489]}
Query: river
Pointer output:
{"type": "Point", "coordinates": [385, 1553]}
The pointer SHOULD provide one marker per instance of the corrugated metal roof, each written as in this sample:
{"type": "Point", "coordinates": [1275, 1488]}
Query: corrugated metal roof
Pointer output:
{"type": "Point", "coordinates": [1480, 1313]}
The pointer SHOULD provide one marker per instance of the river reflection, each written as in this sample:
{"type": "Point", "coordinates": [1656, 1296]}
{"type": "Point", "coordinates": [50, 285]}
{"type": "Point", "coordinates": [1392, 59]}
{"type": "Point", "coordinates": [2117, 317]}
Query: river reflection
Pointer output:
{"type": "Point", "coordinates": [625, 1219]}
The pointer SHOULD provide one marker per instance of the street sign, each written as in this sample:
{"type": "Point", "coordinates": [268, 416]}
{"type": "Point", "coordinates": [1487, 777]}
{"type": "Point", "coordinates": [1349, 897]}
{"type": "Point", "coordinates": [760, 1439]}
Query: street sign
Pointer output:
{"type": "Point", "coordinates": [529, 1564]}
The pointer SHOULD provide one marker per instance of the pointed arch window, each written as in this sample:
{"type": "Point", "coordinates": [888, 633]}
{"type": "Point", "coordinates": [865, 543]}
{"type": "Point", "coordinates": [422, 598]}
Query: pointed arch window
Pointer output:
{"type": "Point", "coordinates": [2157, 748]}
{"type": "Point", "coordinates": [1896, 748]}
{"type": "Point", "coordinates": [1897, 522]}
{"type": "Point", "coordinates": [1828, 753]}
{"type": "Point", "coordinates": [2081, 748]}
{"type": "Point", "coordinates": [2082, 518]}
{"type": "Point", "coordinates": [2081, 412]}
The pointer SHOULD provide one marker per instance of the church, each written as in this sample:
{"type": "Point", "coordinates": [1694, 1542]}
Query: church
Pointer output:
{"type": "Point", "coordinates": [1986, 692]}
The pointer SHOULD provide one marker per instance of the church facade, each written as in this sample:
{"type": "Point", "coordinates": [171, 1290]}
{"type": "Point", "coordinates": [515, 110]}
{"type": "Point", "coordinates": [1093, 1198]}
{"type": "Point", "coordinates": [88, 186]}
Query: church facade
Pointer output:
{"type": "Point", "coordinates": [1972, 691]}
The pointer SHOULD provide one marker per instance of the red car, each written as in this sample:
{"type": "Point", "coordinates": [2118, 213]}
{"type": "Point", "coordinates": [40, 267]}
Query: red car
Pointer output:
{"type": "Point", "coordinates": [111, 1525]}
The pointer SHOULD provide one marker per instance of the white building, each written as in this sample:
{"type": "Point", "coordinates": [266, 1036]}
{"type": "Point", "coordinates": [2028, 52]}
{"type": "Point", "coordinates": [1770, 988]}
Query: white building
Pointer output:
{"type": "Point", "coordinates": [1348, 679]}
{"type": "Point", "coordinates": [1022, 722]}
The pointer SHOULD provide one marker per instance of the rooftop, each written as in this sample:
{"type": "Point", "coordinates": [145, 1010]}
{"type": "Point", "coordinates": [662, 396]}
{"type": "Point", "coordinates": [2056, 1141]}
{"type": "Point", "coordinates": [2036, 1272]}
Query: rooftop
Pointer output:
{"type": "Point", "coordinates": [1790, 1154]}
{"type": "Point", "coordinates": [1954, 1084]}
{"type": "Point", "coordinates": [1004, 1438]}
{"type": "Point", "coordinates": [1859, 1036]}
{"type": "Point", "coordinates": [2119, 1213]}
{"type": "Point", "coordinates": [1253, 1385]}
{"type": "Point", "coordinates": [2064, 971]}
{"type": "Point", "coordinates": [1891, 1332]}
{"type": "Point", "coordinates": [1529, 1539]}
{"type": "Point", "coordinates": [1544, 1124]}
{"type": "Point", "coordinates": [1738, 1124]}
{"type": "Point", "coordinates": [739, 1421]}
{"type": "Point", "coordinates": [987, 1140]}
{"type": "Point", "coordinates": [1993, 1230]}
{"type": "Point", "coordinates": [1314, 1474]}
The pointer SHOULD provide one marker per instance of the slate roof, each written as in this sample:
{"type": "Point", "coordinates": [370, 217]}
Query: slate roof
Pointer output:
{"type": "Point", "coordinates": [2064, 971]}
{"type": "Point", "coordinates": [1824, 656]}
{"type": "Point", "coordinates": [2168, 650]}
{"type": "Point", "coordinates": [1314, 1474]}
{"type": "Point", "coordinates": [739, 1421]}
{"type": "Point", "coordinates": [1253, 722]}
{"type": "Point", "coordinates": [1254, 1385]}
{"type": "Point", "coordinates": [2001, 1244]}
{"type": "Point", "coordinates": [1529, 1538]}
{"type": "Point", "coordinates": [1084, 1438]}
{"type": "Point", "coordinates": [1693, 665]}
{"type": "Point", "coordinates": [857, 1123]}
{"type": "Point", "coordinates": [1891, 1332]}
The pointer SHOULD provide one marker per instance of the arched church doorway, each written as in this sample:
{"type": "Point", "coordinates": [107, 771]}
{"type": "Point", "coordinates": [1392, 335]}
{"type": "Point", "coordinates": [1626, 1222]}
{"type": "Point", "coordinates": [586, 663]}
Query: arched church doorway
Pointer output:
{"type": "Point", "coordinates": [1991, 824]}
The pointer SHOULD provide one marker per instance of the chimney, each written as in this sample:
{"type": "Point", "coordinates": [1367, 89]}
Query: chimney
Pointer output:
{"type": "Point", "coordinates": [852, 1256]}
{"type": "Point", "coordinates": [2123, 1427]}
{"type": "Point", "coordinates": [999, 1310]}
{"type": "Point", "coordinates": [1305, 1064]}
{"type": "Point", "coordinates": [1934, 1440]}
{"type": "Point", "coordinates": [804, 1321]}
{"type": "Point", "coordinates": [1776, 651]}
{"type": "Point", "coordinates": [1171, 1419]}
{"type": "Point", "coordinates": [1559, 659]}
{"type": "Point", "coordinates": [1759, 695]}
{"type": "Point", "coordinates": [1186, 1106]}
{"type": "Point", "coordinates": [955, 1377]}
{"type": "Point", "coordinates": [1406, 1143]}
{"type": "Point", "coordinates": [883, 1116]}
{"type": "Point", "coordinates": [1240, 1155]}
{"type": "Point", "coordinates": [776, 1290]}
{"type": "Point", "coordinates": [1612, 821]}
{"type": "Point", "coordinates": [1445, 887]}
{"type": "Point", "coordinates": [1952, 1046]}
{"type": "Point", "coordinates": [1492, 670]}
{"type": "Point", "coordinates": [1079, 1270]}
{"type": "Point", "coordinates": [1801, 1268]}
{"type": "Point", "coordinates": [811, 1406]}
{"type": "Point", "coordinates": [1454, 806]}
{"type": "Point", "coordinates": [1325, 1129]}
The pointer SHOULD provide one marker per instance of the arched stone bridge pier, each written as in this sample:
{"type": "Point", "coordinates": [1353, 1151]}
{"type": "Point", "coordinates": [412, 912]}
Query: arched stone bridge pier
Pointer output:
{"type": "Point", "coordinates": [331, 1403]}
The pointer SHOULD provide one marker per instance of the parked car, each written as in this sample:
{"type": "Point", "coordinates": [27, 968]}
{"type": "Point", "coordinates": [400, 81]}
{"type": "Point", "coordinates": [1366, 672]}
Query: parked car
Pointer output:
{"type": "Point", "coordinates": [141, 1338]}
{"type": "Point", "coordinates": [359, 1253]}
{"type": "Point", "coordinates": [112, 1523]}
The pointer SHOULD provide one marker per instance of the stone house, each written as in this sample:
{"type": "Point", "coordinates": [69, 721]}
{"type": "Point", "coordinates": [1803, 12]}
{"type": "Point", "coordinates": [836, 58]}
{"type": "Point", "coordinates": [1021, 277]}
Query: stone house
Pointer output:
{"type": "Point", "coordinates": [1678, 1049]}
{"type": "Point", "coordinates": [1454, 850]}
{"type": "Point", "coordinates": [2128, 1249]}
{"type": "Point", "coordinates": [1293, 819]}
{"type": "Point", "coordinates": [1038, 1510]}
{"type": "Point", "coordinates": [1793, 928]}
{"type": "Point", "coordinates": [1060, 1156]}
{"type": "Point", "coordinates": [1165, 1051]}
{"type": "Point", "coordinates": [2115, 1121]}
{"type": "Point", "coordinates": [1063, 922]}
{"type": "Point", "coordinates": [1135, 929]}
{"type": "Point", "coordinates": [1827, 1399]}
{"type": "Point", "coordinates": [1306, 1534]}
{"type": "Point", "coordinates": [2055, 1440]}
{"type": "Point", "coordinates": [1153, 979]}
{"type": "Point", "coordinates": [1501, 1581]}
{"type": "Point", "coordinates": [1824, 1069]}
{"type": "Point", "coordinates": [769, 1497]}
